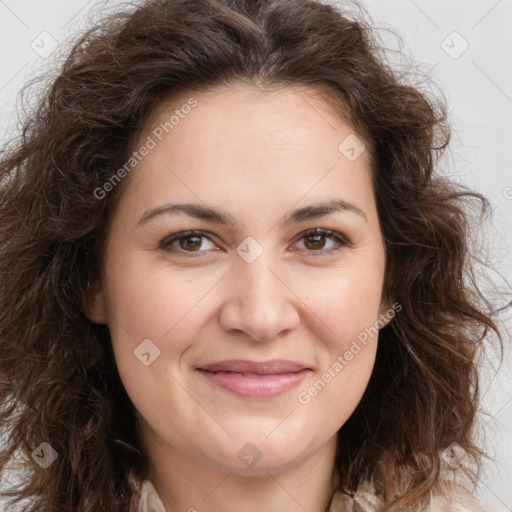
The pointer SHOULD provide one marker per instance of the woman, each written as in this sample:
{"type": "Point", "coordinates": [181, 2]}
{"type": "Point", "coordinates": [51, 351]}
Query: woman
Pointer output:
{"type": "Point", "coordinates": [232, 278]}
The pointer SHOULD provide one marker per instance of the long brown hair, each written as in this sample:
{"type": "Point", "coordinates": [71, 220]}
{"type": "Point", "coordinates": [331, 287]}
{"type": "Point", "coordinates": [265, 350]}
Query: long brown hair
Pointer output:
{"type": "Point", "coordinates": [58, 379]}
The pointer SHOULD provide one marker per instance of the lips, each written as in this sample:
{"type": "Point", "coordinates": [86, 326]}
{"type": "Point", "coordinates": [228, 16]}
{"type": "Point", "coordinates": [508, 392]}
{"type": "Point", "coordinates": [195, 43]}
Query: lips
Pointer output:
{"type": "Point", "coordinates": [274, 366]}
{"type": "Point", "coordinates": [257, 380]}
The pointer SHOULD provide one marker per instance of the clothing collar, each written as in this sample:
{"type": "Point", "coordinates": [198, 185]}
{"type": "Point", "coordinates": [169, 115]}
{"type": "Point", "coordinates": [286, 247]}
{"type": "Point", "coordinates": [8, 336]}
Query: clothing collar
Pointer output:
{"type": "Point", "coordinates": [146, 499]}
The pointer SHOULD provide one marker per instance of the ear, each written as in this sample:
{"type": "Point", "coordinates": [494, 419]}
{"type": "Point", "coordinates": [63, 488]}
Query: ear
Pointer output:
{"type": "Point", "coordinates": [95, 304]}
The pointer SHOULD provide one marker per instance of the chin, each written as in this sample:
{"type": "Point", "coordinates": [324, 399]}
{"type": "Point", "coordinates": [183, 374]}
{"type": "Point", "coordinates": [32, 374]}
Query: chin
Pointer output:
{"type": "Point", "coordinates": [257, 456]}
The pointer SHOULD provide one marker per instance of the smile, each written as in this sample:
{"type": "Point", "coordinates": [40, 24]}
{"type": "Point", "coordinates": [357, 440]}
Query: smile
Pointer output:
{"type": "Point", "coordinates": [253, 385]}
{"type": "Point", "coordinates": [258, 380]}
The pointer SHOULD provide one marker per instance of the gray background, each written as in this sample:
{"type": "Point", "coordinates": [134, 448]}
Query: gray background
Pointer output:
{"type": "Point", "coordinates": [473, 69]}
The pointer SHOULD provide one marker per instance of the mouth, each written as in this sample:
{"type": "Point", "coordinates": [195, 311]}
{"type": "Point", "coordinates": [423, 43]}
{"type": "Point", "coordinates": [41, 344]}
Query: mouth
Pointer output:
{"type": "Point", "coordinates": [252, 379]}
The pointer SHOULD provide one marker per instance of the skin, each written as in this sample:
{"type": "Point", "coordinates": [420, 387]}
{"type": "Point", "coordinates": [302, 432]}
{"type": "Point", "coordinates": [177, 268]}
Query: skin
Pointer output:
{"type": "Point", "coordinates": [257, 155]}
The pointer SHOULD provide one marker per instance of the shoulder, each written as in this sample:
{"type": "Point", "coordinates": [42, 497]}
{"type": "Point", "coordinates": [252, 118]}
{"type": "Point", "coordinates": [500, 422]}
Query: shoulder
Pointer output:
{"type": "Point", "coordinates": [453, 497]}
{"type": "Point", "coordinates": [144, 496]}
{"type": "Point", "coordinates": [447, 497]}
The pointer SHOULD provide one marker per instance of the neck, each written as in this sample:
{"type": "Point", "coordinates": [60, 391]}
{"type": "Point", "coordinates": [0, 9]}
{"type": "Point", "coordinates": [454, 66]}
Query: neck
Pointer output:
{"type": "Point", "coordinates": [187, 484]}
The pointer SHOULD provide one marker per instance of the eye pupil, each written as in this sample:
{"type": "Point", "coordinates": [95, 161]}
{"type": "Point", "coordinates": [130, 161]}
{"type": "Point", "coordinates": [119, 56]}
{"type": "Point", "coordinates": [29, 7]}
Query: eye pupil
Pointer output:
{"type": "Point", "coordinates": [316, 238]}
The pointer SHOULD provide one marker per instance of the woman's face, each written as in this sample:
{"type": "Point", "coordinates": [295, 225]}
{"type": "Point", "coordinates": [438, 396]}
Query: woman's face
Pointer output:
{"type": "Point", "coordinates": [250, 284]}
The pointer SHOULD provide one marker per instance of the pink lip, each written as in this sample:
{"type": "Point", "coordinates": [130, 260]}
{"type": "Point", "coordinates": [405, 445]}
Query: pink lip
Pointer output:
{"type": "Point", "coordinates": [255, 379]}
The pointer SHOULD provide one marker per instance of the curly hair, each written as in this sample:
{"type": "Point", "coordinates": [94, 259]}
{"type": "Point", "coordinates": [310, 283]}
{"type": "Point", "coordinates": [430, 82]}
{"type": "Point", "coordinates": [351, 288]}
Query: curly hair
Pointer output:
{"type": "Point", "coordinates": [58, 378]}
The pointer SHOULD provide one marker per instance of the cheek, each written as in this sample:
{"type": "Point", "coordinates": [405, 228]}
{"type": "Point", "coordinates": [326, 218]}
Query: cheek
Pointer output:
{"type": "Point", "coordinates": [348, 310]}
{"type": "Point", "coordinates": [345, 308]}
{"type": "Point", "coordinates": [150, 297]}
{"type": "Point", "coordinates": [147, 305]}
{"type": "Point", "coordinates": [153, 319]}
{"type": "Point", "coordinates": [347, 303]}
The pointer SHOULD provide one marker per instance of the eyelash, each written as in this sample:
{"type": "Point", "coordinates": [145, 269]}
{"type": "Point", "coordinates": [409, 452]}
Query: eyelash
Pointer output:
{"type": "Point", "coordinates": [343, 242]}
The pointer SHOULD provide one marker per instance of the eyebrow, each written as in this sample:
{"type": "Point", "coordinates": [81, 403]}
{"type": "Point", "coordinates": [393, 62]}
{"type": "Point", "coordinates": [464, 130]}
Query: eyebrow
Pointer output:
{"type": "Point", "coordinates": [218, 216]}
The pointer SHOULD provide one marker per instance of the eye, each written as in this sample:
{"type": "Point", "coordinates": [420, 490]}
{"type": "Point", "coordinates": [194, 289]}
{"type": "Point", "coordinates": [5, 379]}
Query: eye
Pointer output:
{"type": "Point", "coordinates": [188, 241]}
{"type": "Point", "coordinates": [192, 241]}
{"type": "Point", "coordinates": [315, 240]}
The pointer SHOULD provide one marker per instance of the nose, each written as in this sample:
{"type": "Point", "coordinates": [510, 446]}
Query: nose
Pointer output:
{"type": "Point", "coordinates": [260, 302]}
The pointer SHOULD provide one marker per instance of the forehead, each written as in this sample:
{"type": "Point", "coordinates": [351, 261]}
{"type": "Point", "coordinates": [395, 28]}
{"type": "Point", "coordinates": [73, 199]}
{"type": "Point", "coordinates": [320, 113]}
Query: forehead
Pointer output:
{"type": "Point", "coordinates": [238, 123]}
{"type": "Point", "coordinates": [247, 98]}
{"type": "Point", "coordinates": [247, 143]}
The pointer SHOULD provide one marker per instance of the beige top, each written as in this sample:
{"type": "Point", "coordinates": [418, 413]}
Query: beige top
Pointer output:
{"type": "Point", "coordinates": [450, 497]}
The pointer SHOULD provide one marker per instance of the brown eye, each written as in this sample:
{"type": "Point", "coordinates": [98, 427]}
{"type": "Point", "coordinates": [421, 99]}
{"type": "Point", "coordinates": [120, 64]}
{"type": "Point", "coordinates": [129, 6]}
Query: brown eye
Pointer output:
{"type": "Point", "coordinates": [319, 241]}
{"type": "Point", "coordinates": [192, 242]}
{"type": "Point", "coordinates": [186, 241]}
{"type": "Point", "coordinates": [316, 240]}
